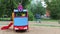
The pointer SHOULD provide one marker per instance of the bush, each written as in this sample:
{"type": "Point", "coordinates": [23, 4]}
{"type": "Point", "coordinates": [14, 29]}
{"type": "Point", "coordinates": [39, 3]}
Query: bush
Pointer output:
{"type": "Point", "coordinates": [54, 8]}
{"type": "Point", "coordinates": [30, 16]}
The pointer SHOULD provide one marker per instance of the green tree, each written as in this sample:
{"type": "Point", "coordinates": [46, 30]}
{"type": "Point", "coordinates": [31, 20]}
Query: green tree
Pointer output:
{"type": "Point", "coordinates": [30, 14]}
{"type": "Point", "coordinates": [37, 8]}
{"type": "Point", "coordinates": [7, 6]}
{"type": "Point", "coordinates": [23, 2]}
{"type": "Point", "coordinates": [54, 8]}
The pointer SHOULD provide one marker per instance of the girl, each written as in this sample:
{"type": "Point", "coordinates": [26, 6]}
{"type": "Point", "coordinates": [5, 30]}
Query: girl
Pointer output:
{"type": "Point", "coordinates": [20, 7]}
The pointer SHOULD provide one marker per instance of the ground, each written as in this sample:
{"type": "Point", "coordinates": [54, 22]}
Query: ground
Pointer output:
{"type": "Point", "coordinates": [34, 28]}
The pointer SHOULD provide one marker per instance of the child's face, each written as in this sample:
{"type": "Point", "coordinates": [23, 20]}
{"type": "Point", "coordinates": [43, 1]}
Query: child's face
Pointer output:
{"type": "Point", "coordinates": [19, 3]}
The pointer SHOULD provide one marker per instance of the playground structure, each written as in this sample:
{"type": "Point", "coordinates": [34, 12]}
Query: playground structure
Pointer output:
{"type": "Point", "coordinates": [20, 20]}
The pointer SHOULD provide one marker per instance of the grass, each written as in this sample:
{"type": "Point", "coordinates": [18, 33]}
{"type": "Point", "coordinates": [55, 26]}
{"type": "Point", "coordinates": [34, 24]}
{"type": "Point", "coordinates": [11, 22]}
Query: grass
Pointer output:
{"type": "Point", "coordinates": [8, 19]}
{"type": "Point", "coordinates": [46, 25]}
{"type": "Point", "coordinates": [4, 19]}
{"type": "Point", "coordinates": [52, 20]}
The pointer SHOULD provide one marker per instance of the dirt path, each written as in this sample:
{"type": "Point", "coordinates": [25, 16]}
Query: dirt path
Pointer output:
{"type": "Point", "coordinates": [34, 30]}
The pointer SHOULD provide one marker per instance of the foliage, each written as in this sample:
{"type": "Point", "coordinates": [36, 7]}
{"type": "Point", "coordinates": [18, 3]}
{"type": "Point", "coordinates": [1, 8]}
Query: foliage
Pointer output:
{"type": "Point", "coordinates": [7, 6]}
{"type": "Point", "coordinates": [25, 3]}
{"type": "Point", "coordinates": [30, 14]}
{"type": "Point", "coordinates": [37, 8]}
{"type": "Point", "coordinates": [33, 9]}
{"type": "Point", "coordinates": [54, 8]}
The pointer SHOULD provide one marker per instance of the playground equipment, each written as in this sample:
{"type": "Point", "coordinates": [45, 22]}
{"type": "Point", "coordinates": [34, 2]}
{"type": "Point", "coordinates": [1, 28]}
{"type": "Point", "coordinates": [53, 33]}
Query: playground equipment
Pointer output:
{"type": "Point", "coordinates": [20, 20]}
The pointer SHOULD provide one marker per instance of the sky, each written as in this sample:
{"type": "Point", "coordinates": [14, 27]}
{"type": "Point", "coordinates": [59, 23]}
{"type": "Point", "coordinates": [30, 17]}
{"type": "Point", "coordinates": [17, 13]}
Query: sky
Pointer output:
{"type": "Point", "coordinates": [43, 3]}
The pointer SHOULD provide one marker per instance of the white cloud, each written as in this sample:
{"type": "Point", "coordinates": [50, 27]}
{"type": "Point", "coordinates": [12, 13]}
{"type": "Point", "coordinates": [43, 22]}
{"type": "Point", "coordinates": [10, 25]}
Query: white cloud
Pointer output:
{"type": "Point", "coordinates": [43, 4]}
{"type": "Point", "coordinates": [36, 1]}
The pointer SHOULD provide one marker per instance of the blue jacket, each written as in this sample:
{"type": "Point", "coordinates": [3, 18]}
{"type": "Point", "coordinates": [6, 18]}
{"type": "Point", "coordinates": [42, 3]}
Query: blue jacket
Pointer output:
{"type": "Point", "coordinates": [37, 16]}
